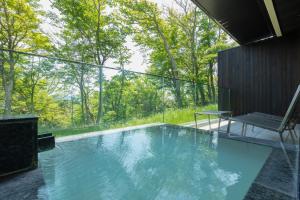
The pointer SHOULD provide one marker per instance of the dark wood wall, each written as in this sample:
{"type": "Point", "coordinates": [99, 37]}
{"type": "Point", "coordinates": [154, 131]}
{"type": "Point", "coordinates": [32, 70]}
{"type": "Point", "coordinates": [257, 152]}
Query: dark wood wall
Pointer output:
{"type": "Point", "coordinates": [261, 77]}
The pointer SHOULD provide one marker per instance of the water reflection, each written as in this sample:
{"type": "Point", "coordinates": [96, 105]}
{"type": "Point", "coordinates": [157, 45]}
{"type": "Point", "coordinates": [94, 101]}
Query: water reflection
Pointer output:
{"type": "Point", "coordinates": [162, 162]}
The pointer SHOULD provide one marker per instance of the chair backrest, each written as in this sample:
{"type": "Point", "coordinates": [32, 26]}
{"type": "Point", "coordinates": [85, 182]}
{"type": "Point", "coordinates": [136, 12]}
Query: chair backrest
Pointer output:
{"type": "Point", "coordinates": [290, 110]}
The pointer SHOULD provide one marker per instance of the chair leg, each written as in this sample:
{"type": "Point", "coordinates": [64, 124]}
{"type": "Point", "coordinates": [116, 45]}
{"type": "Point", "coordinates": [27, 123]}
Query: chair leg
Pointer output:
{"type": "Point", "coordinates": [228, 127]}
{"type": "Point", "coordinates": [287, 137]}
{"type": "Point", "coordinates": [281, 137]}
{"type": "Point", "coordinates": [292, 136]}
{"type": "Point", "coordinates": [209, 122]}
{"type": "Point", "coordinates": [297, 136]}
{"type": "Point", "coordinates": [245, 131]}
{"type": "Point", "coordinates": [295, 133]}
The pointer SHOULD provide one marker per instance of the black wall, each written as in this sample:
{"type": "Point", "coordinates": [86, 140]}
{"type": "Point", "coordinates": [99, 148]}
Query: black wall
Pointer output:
{"type": "Point", "coordinates": [261, 77]}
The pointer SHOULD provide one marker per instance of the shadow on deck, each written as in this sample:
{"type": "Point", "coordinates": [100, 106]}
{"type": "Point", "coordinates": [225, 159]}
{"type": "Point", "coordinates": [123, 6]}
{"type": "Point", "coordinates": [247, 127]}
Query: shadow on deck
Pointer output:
{"type": "Point", "coordinates": [236, 129]}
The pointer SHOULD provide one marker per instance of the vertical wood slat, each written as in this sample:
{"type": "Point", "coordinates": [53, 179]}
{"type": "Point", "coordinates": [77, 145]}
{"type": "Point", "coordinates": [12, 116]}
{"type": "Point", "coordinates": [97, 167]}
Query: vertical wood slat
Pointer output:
{"type": "Point", "coordinates": [262, 77]}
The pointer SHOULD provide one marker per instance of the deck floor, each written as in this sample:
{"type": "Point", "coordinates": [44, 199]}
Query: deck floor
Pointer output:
{"type": "Point", "coordinates": [236, 128]}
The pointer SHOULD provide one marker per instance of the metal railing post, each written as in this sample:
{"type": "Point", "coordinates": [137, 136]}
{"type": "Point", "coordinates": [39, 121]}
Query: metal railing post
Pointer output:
{"type": "Point", "coordinates": [163, 107]}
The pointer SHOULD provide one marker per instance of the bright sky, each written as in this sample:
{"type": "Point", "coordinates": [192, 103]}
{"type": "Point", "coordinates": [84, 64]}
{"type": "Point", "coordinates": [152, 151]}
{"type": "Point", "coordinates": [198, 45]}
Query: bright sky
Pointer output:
{"type": "Point", "coordinates": [138, 61]}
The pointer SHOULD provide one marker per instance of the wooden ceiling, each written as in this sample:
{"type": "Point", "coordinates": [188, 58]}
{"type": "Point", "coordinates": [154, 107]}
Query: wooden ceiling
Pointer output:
{"type": "Point", "coordinates": [248, 21]}
{"type": "Point", "coordinates": [288, 13]}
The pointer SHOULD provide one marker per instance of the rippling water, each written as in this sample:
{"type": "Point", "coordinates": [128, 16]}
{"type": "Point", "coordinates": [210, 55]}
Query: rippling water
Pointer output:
{"type": "Point", "coordinates": [162, 162]}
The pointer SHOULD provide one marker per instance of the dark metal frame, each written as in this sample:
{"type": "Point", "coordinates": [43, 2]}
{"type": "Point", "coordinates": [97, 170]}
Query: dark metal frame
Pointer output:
{"type": "Point", "coordinates": [94, 65]}
{"type": "Point", "coordinates": [270, 122]}
{"type": "Point", "coordinates": [225, 115]}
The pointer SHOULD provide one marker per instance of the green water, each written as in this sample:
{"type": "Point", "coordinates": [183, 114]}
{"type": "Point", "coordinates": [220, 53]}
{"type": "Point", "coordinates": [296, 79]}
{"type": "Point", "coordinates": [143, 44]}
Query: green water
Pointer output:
{"type": "Point", "coordinates": [163, 162]}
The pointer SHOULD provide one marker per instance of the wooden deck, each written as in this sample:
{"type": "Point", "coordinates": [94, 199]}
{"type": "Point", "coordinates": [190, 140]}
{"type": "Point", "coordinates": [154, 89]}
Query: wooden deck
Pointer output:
{"type": "Point", "coordinates": [236, 128]}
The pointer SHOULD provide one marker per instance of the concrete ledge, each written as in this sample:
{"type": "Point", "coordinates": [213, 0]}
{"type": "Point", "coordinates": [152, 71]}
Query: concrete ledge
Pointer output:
{"type": "Point", "coordinates": [200, 123]}
{"type": "Point", "coordinates": [97, 133]}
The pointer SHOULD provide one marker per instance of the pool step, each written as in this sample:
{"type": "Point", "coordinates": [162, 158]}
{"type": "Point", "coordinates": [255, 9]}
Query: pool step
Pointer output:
{"type": "Point", "coordinates": [46, 142]}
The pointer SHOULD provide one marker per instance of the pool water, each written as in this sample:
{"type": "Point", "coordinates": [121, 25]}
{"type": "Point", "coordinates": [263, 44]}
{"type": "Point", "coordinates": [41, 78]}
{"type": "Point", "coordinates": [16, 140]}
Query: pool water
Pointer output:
{"type": "Point", "coordinates": [161, 162]}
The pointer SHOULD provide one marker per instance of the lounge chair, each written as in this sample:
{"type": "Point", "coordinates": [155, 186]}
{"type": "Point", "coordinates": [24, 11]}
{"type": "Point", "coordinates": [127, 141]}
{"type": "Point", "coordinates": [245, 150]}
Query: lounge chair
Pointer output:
{"type": "Point", "coordinates": [224, 93]}
{"type": "Point", "coordinates": [270, 122]}
{"type": "Point", "coordinates": [221, 115]}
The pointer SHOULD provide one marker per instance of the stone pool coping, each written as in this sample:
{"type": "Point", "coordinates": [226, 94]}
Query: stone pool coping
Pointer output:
{"type": "Point", "coordinates": [128, 128]}
{"type": "Point", "coordinates": [105, 132]}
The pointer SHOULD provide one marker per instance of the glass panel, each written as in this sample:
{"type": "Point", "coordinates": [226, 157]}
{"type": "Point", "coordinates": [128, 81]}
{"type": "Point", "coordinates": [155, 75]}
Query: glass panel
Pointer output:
{"type": "Point", "coordinates": [194, 97]}
{"type": "Point", "coordinates": [179, 102]}
{"type": "Point", "coordinates": [143, 99]}
{"type": "Point", "coordinates": [71, 98]}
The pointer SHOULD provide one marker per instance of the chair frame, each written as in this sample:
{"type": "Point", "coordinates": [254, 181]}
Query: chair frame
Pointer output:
{"type": "Point", "coordinates": [270, 122]}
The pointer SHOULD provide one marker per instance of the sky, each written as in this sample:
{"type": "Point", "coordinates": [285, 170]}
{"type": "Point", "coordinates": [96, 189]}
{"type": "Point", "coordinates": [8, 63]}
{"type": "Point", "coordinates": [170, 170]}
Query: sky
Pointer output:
{"type": "Point", "coordinates": [138, 61]}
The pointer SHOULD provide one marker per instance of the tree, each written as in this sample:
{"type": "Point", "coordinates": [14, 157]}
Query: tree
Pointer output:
{"type": "Point", "coordinates": [213, 40]}
{"type": "Point", "coordinates": [180, 44]}
{"type": "Point", "coordinates": [32, 95]}
{"type": "Point", "coordinates": [188, 20]}
{"type": "Point", "coordinates": [78, 75]}
{"type": "Point", "coordinates": [152, 31]}
{"type": "Point", "coordinates": [33, 75]}
{"type": "Point", "coordinates": [124, 56]}
{"type": "Point", "coordinates": [142, 96]}
{"type": "Point", "coordinates": [19, 30]}
{"type": "Point", "coordinates": [199, 35]}
{"type": "Point", "coordinates": [100, 28]}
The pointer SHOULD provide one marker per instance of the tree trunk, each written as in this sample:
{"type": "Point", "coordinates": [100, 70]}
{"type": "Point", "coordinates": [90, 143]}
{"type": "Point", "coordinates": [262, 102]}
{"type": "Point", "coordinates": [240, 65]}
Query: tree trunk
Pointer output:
{"type": "Point", "coordinates": [100, 97]}
{"type": "Point", "coordinates": [87, 111]}
{"type": "Point", "coordinates": [9, 84]}
{"type": "Point", "coordinates": [202, 93]}
{"type": "Point", "coordinates": [176, 83]}
{"type": "Point", "coordinates": [177, 92]}
{"type": "Point", "coordinates": [120, 94]}
{"type": "Point", "coordinates": [32, 99]}
{"type": "Point", "coordinates": [193, 55]}
{"type": "Point", "coordinates": [72, 111]}
{"type": "Point", "coordinates": [79, 76]}
{"type": "Point", "coordinates": [2, 73]}
{"type": "Point", "coordinates": [100, 63]}
{"type": "Point", "coordinates": [196, 73]}
{"type": "Point", "coordinates": [209, 93]}
{"type": "Point", "coordinates": [195, 94]}
{"type": "Point", "coordinates": [8, 98]}
{"type": "Point", "coordinates": [32, 92]}
{"type": "Point", "coordinates": [211, 80]}
{"type": "Point", "coordinates": [83, 117]}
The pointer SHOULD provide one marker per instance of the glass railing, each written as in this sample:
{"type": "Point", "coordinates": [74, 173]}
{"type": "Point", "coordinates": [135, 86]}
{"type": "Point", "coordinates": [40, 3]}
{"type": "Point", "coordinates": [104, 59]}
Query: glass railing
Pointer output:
{"type": "Point", "coordinates": [71, 97]}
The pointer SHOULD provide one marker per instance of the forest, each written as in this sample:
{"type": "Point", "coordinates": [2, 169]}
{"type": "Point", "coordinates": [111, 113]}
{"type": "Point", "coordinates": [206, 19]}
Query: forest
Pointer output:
{"type": "Point", "coordinates": [73, 75]}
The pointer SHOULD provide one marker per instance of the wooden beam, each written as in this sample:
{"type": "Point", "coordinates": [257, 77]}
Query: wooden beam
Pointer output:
{"type": "Point", "coordinates": [272, 14]}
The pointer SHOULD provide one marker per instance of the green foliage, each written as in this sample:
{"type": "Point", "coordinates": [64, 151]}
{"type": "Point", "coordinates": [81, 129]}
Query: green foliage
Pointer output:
{"type": "Point", "coordinates": [32, 94]}
{"type": "Point", "coordinates": [177, 116]}
{"type": "Point", "coordinates": [18, 23]}
{"type": "Point", "coordinates": [99, 36]}
{"type": "Point", "coordinates": [19, 30]}
{"type": "Point", "coordinates": [73, 97]}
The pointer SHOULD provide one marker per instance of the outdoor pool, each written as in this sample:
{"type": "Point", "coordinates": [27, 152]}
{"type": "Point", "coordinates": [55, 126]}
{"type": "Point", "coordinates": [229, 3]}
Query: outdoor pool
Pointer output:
{"type": "Point", "coordinates": [160, 162]}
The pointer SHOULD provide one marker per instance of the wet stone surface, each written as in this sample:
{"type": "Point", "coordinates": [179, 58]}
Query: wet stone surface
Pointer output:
{"type": "Point", "coordinates": [22, 186]}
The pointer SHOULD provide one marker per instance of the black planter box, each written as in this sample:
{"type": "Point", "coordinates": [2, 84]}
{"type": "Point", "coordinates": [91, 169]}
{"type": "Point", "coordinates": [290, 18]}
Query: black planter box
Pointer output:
{"type": "Point", "coordinates": [18, 144]}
